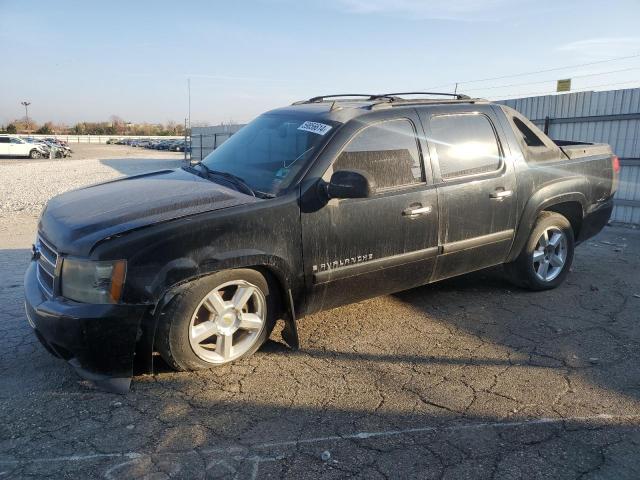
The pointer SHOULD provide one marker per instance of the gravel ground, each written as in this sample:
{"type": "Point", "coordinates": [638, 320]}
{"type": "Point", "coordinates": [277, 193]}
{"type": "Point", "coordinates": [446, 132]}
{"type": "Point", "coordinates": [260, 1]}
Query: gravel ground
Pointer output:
{"type": "Point", "coordinates": [26, 185]}
{"type": "Point", "coordinates": [465, 379]}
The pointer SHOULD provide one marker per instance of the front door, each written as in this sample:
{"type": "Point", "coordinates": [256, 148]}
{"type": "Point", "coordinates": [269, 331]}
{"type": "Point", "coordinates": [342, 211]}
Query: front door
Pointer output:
{"type": "Point", "coordinates": [360, 248]}
{"type": "Point", "coordinates": [4, 145]}
{"type": "Point", "coordinates": [476, 188]}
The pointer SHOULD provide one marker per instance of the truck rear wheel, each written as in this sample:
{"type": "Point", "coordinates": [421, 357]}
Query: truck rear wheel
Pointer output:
{"type": "Point", "coordinates": [217, 320]}
{"type": "Point", "coordinates": [547, 256]}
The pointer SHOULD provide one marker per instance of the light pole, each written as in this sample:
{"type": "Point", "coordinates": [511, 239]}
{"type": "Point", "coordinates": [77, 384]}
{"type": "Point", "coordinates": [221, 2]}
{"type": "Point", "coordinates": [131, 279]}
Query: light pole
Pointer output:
{"type": "Point", "coordinates": [26, 111]}
{"type": "Point", "coordinates": [189, 92]}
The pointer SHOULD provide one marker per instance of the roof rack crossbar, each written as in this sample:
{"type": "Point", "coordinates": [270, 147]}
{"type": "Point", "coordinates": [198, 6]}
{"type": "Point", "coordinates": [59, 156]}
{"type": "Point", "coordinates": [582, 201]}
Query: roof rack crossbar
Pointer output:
{"type": "Point", "coordinates": [320, 98]}
{"type": "Point", "coordinates": [394, 96]}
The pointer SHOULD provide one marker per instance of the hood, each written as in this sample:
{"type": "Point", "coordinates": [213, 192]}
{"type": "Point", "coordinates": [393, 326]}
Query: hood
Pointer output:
{"type": "Point", "coordinates": [74, 221]}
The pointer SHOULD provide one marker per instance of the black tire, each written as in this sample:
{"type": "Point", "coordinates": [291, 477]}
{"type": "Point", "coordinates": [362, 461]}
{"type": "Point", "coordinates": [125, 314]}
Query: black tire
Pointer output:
{"type": "Point", "coordinates": [522, 270]}
{"type": "Point", "coordinates": [34, 154]}
{"type": "Point", "coordinates": [172, 336]}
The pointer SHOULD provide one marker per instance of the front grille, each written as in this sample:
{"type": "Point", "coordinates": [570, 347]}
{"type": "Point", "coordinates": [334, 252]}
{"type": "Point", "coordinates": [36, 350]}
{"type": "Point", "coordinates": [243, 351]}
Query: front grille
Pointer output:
{"type": "Point", "coordinates": [47, 265]}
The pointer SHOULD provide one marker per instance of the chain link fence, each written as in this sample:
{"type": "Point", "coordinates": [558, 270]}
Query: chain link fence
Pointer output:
{"type": "Point", "coordinates": [205, 140]}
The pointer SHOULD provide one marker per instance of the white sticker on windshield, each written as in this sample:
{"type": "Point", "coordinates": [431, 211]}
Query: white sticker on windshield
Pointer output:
{"type": "Point", "coordinates": [315, 127]}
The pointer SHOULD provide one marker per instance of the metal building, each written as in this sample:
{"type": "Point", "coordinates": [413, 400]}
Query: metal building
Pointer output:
{"type": "Point", "coordinates": [611, 117]}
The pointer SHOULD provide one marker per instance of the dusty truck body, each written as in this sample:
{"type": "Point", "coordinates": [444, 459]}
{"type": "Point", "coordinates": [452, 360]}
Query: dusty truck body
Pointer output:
{"type": "Point", "coordinates": [319, 204]}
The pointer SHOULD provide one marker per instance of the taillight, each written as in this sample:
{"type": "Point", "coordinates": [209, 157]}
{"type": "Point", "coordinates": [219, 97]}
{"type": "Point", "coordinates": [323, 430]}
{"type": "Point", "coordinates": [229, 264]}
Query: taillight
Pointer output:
{"type": "Point", "coordinates": [615, 163]}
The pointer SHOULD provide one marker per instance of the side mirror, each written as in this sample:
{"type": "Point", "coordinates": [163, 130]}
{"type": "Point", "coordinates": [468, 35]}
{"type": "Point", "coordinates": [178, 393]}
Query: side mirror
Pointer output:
{"type": "Point", "coordinates": [350, 184]}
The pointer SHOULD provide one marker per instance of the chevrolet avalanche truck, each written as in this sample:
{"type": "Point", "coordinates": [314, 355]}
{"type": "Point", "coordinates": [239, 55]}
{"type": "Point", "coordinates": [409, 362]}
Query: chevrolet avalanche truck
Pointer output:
{"type": "Point", "coordinates": [322, 203]}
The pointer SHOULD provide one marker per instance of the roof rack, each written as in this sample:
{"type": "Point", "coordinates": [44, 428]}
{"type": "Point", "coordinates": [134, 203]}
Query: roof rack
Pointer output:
{"type": "Point", "coordinates": [387, 97]}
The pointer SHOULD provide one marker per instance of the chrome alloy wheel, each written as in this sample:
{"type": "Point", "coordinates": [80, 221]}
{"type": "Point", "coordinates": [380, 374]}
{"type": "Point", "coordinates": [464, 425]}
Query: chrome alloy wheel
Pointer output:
{"type": "Point", "coordinates": [550, 254]}
{"type": "Point", "coordinates": [227, 322]}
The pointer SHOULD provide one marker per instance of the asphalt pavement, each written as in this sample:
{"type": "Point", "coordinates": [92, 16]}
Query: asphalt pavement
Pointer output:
{"type": "Point", "coordinates": [470, 378]}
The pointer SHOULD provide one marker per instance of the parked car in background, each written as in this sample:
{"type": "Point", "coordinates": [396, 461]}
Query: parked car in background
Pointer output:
{"type": "Point", "coordinates": [59, 150]}
{"type": "Point", "coordinates": [41, 143]}
{"type": "Point", "coordinates": [61, 144]}
{"type": "Point", "coordinates": [58, 141]}
{"type": "Point", "coordinates": [13, 146]}
{"type": "Point", "coordinates": [170, 144]}
{"type": "Point", "coordinates": [180, 146]}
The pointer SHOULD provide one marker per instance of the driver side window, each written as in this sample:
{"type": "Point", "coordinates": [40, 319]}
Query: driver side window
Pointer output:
{"type": "Point", "coordinates": [388, 151]}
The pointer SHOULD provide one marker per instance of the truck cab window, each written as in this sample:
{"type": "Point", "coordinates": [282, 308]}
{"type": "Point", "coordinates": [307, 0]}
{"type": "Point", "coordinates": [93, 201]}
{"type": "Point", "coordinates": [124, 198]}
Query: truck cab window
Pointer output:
{"type": "Point", "coordinates": [387, 151]}
{"type": "Point", "coordinates": [466, 144]}
{"type": "Point", "coordinates": [530, 138]}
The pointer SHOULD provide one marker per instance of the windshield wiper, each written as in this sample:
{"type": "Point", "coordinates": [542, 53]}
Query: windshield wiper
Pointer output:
{"type": "Point", "coordinates": [264, 194]}
{"type": "Point", "coordinates": [236, 180]}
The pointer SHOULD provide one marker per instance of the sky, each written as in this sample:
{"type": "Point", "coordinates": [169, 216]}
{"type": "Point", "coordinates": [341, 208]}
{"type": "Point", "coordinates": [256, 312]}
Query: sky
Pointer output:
{"type": "Point", "coordinates": [86, 61]}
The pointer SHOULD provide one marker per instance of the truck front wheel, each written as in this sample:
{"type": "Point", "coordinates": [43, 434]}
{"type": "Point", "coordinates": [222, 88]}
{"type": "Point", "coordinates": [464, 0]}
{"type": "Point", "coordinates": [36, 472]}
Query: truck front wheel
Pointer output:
{"type": "Point", "coordinates": [35, 154]}
{"type": "Point", "coordinates": [547, 256]}
{"type": "Point", "coordinates": [217, 320]}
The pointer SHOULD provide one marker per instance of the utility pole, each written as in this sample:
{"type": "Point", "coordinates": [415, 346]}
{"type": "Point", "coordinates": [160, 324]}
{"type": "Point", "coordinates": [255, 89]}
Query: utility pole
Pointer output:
{"type": "Point", "coordinates": [26, 111]}
{"type": "Point", "coordinates": [189, 92]}
{"type": "Point", "coordinates": [185, 122]}
{"type": "Point", "coordinates": [456, 89]}
{"type": "Point", "coordinates": [185, 141]}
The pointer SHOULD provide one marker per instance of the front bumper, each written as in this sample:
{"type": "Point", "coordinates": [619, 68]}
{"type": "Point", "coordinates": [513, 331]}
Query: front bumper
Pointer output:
{"type": "Point", "coordinates": [97, 340]}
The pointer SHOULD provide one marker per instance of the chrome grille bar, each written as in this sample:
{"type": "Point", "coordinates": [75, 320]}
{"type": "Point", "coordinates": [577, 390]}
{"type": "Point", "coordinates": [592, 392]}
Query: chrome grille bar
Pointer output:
{"type": "Point", "coordinates": [47, 266]}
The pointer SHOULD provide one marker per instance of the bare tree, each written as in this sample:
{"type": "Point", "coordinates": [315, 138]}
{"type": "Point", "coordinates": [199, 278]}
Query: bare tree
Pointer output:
{"type": "Point", "coordinates": [118, 125]}
{"type": "Point", "coordinates": [24, 125]}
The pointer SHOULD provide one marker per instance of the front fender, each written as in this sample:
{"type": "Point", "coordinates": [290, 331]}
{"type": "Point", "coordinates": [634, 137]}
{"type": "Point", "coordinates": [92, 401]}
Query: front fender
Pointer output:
{"type": "Point", "coordinates": [184, 270]}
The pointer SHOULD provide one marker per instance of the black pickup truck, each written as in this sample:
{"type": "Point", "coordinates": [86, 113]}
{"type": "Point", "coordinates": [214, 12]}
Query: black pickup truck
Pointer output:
{"type": "Point", "coordinates": [322, 203]}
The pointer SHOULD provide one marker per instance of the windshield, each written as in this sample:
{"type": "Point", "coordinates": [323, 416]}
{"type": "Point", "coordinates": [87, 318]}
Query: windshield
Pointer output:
{"type": "Point", "coordinates": [269, 152]}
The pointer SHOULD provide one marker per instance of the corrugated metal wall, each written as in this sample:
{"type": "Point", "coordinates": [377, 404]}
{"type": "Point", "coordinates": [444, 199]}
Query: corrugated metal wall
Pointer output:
{"type": "Point", "coordinates": [611, 117]}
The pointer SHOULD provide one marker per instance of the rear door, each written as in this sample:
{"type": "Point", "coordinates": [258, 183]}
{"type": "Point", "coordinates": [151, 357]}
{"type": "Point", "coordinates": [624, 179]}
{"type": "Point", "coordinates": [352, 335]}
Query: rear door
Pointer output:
{"type": "Point", "coordinates": [476, 188]}
{"type": "Point", "coordinates": [360, 248]}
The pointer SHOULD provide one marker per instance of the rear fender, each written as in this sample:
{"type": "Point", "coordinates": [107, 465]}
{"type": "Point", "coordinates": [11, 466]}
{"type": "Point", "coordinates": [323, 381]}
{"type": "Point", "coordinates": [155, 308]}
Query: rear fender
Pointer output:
{"type": "Point", "coordinates": [554, 194]}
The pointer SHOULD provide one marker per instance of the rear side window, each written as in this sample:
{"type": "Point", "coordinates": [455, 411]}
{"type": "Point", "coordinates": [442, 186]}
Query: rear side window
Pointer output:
{"type": "Point", "coordinates": [528, 135]}
{"type": "Point", "coordinates": [466, 144]}
{"type": "Point", "coordinates": [4, 139]}
{"type": "Point", "coordinates": [387, 151]}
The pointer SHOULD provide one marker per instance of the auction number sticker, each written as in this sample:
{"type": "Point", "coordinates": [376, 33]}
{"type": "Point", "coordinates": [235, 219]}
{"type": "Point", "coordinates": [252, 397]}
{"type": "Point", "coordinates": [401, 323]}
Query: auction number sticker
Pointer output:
{"type": "Point", "coordinates": [315, 127]}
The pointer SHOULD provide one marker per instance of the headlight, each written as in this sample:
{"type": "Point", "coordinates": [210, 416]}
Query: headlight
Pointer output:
{"type": "Point", "coordinates": [93, 282]}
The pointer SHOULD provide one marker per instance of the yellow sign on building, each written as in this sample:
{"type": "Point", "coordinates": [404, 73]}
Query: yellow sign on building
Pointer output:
{"type": "Point", "coordinates": [564, 85]}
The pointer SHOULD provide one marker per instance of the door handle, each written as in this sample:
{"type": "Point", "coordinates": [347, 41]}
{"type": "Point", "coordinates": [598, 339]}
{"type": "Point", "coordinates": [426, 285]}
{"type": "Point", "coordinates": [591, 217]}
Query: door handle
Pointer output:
{"type": "Point", "coordinates": [416, 210]}
{"type": "Point", "coordinates": [501, 194]}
